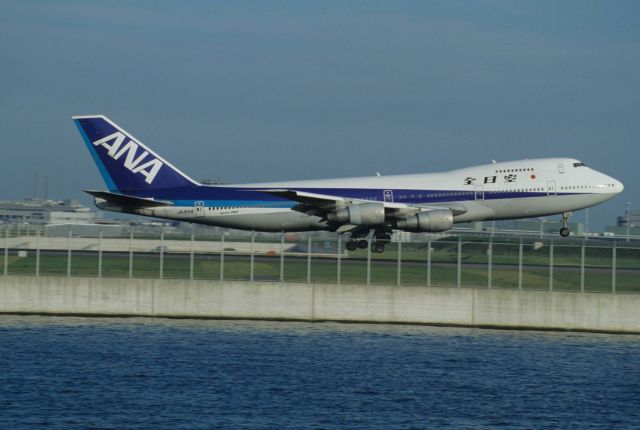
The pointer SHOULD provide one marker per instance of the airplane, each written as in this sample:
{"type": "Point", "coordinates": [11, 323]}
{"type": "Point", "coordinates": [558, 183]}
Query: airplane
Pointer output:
{"type": "Point", "coordinates": [141, 182]}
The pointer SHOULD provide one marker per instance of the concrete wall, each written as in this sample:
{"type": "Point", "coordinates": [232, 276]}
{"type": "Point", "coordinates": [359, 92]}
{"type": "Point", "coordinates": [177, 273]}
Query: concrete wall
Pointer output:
{"type": "Point", "coordinates": [321, 302]}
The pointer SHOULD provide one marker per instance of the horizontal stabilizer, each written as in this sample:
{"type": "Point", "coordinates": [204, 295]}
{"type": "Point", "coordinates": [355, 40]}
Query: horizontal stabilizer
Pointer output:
{"type": "Point", "coordinates": [127, 201]}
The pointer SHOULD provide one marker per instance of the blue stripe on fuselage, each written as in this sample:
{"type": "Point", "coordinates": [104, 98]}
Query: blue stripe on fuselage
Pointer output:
{"type": "Point", "coordinates": [285, 204]}
{"type": "Point", "coordinates": [227, 196]}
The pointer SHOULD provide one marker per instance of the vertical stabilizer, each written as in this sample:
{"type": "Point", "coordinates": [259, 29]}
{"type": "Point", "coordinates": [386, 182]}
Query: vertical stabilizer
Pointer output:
{"type": "Point", "coordinates": [126, 164]}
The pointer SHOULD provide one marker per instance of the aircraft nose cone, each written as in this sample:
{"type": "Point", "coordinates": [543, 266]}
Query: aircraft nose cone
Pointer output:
{"type": "Point", "coordinates": [615, 186]}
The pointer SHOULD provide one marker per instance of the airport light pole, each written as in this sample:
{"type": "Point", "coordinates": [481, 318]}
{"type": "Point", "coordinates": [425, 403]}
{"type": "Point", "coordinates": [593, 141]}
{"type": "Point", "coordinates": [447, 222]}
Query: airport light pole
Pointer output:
{"type": "Point", "coordinates": [100, 254]}
{"type": "Point", "coordinates": [252, 257]}
{"type": "Point", "coordinates": [586, 223]}
{"type": "Point", "coordinates": [628, 219]}
{"type": "Point", "coordinates": [428, 262]}
{"type": "Point", "coordinates": [69, 252]}
{"type": "Point", "coordinates": [191, 253]}
{"type": "Point", "coordinates": [339, 257]}
{"type": "Point", "coordinates": [37, 252]}
{"type": "Point", "coordinates": [6, 251]}
{"type": "Point", "coordinates": [282, 256]}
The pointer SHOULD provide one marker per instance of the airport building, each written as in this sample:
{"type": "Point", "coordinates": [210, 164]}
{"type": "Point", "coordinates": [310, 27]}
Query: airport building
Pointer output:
{"type": "Point", "coordinates": [43, 212]}
{"type": "Point", "coordinates": [631, 217]}
{"type": "Point", "coordinates": [627, 224]}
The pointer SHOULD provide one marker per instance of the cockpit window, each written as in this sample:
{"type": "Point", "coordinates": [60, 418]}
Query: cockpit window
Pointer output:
{"type": "Point", "coordinates": [578, 164]}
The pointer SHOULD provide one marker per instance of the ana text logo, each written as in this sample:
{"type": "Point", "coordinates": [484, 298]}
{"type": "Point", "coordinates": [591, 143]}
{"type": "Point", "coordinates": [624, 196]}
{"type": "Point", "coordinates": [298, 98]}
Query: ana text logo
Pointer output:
{"type": "Point", "coordinates": [133, 162]}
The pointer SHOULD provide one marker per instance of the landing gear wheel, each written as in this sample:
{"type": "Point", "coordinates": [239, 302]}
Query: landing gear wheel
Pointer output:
{"type": "Point", "coordinates": [564, 231]}
{"type": "Point", "coordinates": [379, 247]}
{"type": "Point", "coordinates": [362, 244]}
{"type": "Point", "coordinates": [351, 245]}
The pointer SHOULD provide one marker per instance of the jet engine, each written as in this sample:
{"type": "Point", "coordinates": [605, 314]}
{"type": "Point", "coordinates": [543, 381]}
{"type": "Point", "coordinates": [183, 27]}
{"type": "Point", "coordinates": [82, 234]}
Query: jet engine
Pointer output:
{"type": "Point", "coordinates": [429, 221]}
{"type": "Point", "coordinates": [359, 214]}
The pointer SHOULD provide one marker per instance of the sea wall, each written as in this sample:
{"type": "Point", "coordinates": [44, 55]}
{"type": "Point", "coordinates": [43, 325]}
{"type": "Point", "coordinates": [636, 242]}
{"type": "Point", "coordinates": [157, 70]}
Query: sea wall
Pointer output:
{"type": "Point", "coordinates": [474, 307]}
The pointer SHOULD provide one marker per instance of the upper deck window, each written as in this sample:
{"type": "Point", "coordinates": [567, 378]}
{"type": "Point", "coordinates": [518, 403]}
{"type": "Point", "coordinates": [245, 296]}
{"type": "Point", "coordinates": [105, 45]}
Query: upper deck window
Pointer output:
{"type": "Point", "coordinates": [578, 164]}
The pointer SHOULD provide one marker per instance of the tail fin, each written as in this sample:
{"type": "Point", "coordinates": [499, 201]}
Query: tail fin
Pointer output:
{"type": "Point", "coordinates": [125, 163]}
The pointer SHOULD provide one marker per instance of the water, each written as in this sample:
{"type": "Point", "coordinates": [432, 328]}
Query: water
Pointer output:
{"type": "Point", "coordinates": [64, 373]}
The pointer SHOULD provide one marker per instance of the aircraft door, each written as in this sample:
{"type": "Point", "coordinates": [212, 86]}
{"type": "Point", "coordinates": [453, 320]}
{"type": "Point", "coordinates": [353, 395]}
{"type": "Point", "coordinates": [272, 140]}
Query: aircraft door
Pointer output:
{"type": "Point", "coordinates": [560, 167]}
{"type": "Point", "coordinates": [551, 188]}
{"type": "Point", "coordinates": [387, 195]}
{"type": "Point", "coordinates": [199, 209]}
{"type": "Point", "coordinates": [479, 192]}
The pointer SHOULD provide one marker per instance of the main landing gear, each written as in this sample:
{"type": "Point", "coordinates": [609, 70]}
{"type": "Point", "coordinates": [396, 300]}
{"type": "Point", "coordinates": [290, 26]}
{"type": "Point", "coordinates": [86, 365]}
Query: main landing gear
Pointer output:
{"type": "Point", "coordinates": [354, 244]}
{"type": "Point", "coordinates": [378, 243]}
{"type": "Point", "coordinates": [564, 231]}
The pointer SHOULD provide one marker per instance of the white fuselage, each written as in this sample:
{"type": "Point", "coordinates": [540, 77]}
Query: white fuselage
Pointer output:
{"type": "Point", "coordinates": [506, 190]}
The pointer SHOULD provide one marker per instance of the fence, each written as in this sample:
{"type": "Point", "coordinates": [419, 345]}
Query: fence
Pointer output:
{"type": "Point", "coordinates": [464, 261]}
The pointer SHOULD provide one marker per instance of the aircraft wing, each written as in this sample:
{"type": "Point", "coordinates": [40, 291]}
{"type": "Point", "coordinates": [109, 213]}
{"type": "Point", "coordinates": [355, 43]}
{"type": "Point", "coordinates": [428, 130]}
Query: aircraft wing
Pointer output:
{"type": "Point", "coordinates": [319, 201]}
{"type": "Point", "coordinates": [323, 203]}
{"type": "Point", "coordinates": [127, 201]}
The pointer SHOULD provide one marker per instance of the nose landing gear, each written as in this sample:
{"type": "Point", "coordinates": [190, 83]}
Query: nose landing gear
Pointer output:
{"type": "Point", "coordinates": [564, 231]}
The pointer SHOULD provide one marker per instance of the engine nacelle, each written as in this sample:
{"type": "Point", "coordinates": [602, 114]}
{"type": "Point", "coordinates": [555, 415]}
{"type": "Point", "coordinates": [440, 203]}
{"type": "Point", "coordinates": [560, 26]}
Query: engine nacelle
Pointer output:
{"type": "Point", "coordinates": [429, 221]}
{"type": "Point", "coordinates": [359, 214]}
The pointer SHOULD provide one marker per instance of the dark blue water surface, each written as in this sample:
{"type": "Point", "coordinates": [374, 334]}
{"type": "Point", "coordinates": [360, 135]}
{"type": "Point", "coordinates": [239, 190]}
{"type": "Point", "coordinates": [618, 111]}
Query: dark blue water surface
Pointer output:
{"type": "Point", "coordinates": [185, 374]}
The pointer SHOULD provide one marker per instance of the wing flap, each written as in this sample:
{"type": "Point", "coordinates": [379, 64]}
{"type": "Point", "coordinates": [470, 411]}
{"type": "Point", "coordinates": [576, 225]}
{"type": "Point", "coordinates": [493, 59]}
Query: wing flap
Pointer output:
{"type": "Point", "coordinates": [315, 200]}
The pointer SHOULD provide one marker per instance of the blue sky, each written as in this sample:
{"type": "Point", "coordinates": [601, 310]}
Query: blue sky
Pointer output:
{"type": "Point", "coordinates": [261, 91]}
